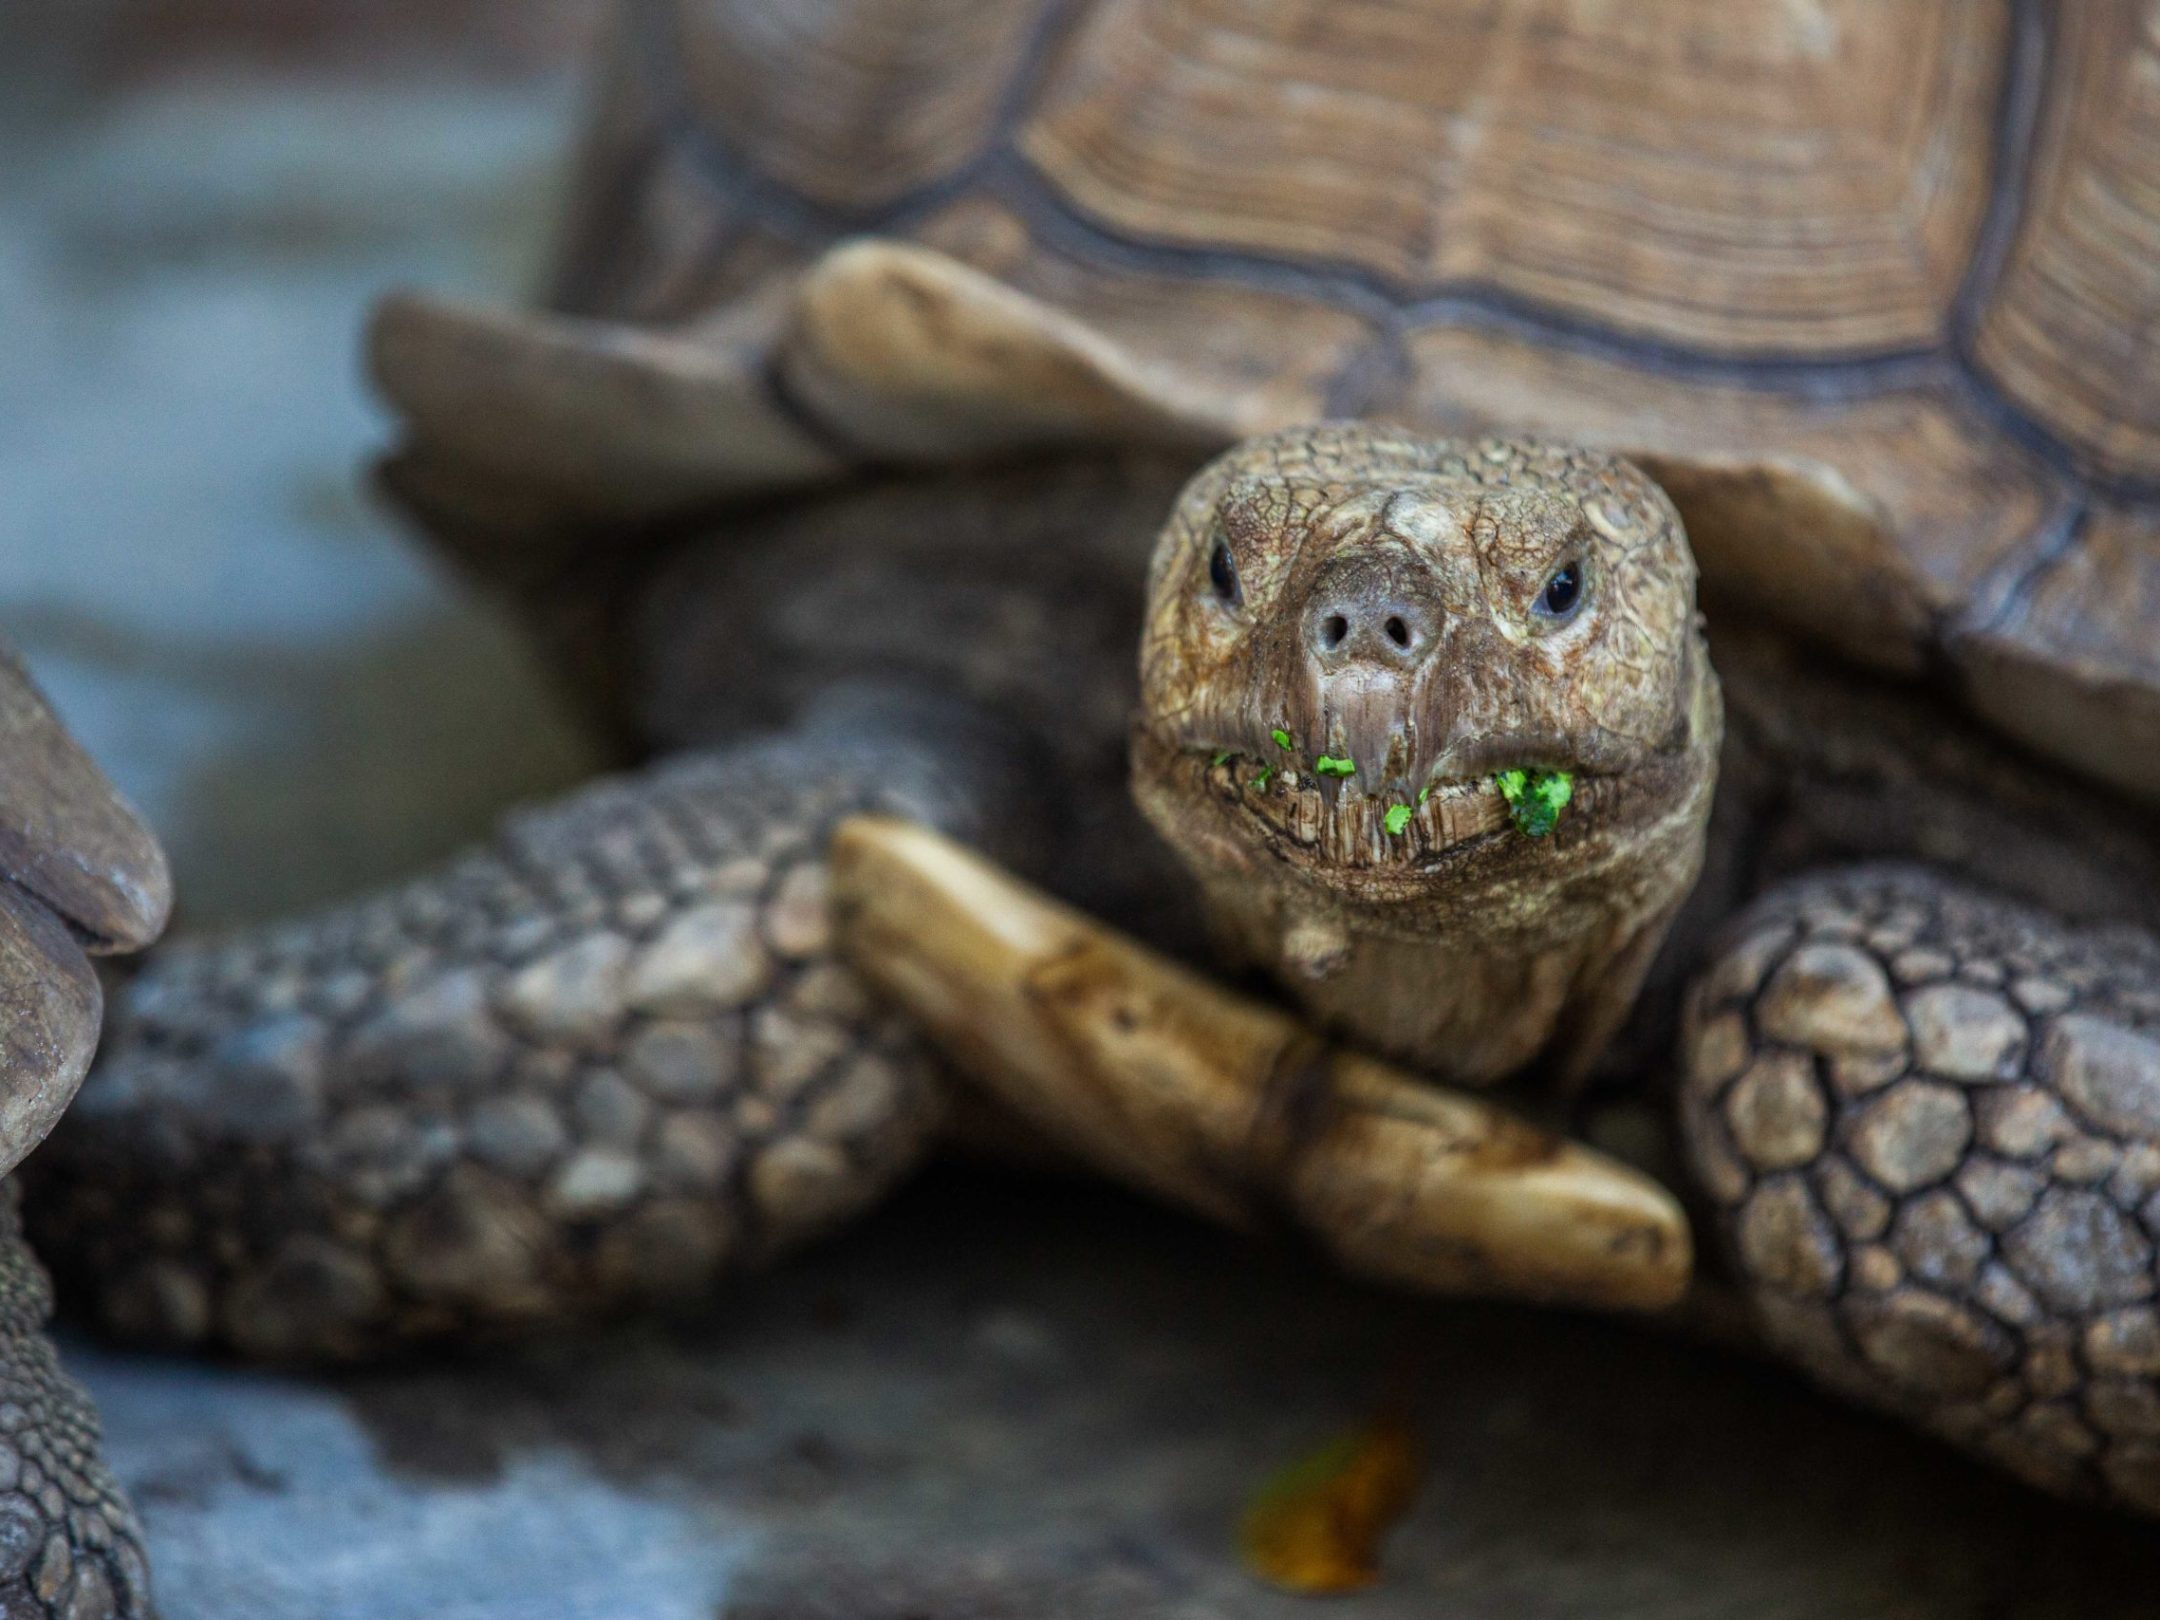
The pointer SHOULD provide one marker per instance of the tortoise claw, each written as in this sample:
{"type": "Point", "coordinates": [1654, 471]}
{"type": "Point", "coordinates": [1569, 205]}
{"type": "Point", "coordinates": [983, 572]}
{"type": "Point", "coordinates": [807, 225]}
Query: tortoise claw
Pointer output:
{"type": "Point", "coordinates": [78, 873]}
{"type": "Point", "coordinates": [1232, 1108]}
{"type": "Point", "coordinates": [66, 838]}
{"type": "Point", "coordinates": [50, 1009]}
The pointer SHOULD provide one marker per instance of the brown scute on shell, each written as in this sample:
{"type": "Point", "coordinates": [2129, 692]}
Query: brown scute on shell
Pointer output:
{"type": "Point", "coordinates": [912, 355]}
{"type": "Point", "coordinates": [607, 422]}
{"type": "Point", "coordinates": [1971, 1239]}
{"type": "Point", "coordinates": [1796, 538]}
{"type": "Point", "coordinates": [871, 99]}
{"type": "Point", "coordinates": [882, 352]}
{"type": "Point", "coordinates": [2059, 335]}
{"type": "Point", "coordinates": [1406, 145]}
{"type": "Point", "coordinates": [2069, 665]}
{"type": "Point", "coordinates": [1897, 386]}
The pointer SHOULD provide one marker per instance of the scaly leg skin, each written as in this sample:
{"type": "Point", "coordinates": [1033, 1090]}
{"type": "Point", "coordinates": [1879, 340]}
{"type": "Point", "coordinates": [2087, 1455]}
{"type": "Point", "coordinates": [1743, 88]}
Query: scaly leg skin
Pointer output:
{"type": "Point", "coordinates": [600, 1061]}
{"type": "Point", "coordinates": [79, 874]}
{"type": "Point", "coordinates": [70, 1548]}
{"type": "Point", "coordinates": [1929, 1120]}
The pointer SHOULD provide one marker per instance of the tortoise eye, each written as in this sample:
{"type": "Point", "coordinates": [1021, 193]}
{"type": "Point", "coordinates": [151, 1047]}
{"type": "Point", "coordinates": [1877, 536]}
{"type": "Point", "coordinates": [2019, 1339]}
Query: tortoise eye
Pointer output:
{"type": "Point", "coordinates": [1563, 592]}
{"type": "Point", "coordinates": [1222, 574]}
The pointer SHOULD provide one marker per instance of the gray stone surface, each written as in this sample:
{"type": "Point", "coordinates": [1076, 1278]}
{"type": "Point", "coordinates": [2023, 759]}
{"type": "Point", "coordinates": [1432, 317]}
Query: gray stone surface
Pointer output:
{"type": "Point", "coordinates": [995, 1399]}
{"type": "Point", "coordinates": [1007, 1398]}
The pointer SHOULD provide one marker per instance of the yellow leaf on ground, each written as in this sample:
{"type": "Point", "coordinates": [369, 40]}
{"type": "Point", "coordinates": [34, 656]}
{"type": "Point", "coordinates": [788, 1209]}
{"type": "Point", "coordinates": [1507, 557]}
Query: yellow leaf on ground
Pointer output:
{"type": "Point", "coordinates": [1316, 1527]}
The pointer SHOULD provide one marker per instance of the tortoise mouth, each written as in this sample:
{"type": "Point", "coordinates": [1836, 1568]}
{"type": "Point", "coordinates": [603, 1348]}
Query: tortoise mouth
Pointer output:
{"type": "Point", "coordinates": [1335, 821]}
{"type": "Point", "coordinates": [1329, 824]}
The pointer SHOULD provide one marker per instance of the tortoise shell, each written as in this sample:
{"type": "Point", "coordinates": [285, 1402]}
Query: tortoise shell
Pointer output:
{"type": "Point", "coordinates": [1872, 286]}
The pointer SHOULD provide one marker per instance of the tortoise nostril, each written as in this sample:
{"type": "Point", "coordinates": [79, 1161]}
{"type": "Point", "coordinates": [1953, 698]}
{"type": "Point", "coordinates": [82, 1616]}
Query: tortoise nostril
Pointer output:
{"type": "Point", "coordinates": [1372, 615]}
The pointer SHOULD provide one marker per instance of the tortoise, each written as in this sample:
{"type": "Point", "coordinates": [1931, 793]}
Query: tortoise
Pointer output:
{"type": "Point", "coordinates": [834, 475]}
{"type": "Point", "coordinates": [80, 876]}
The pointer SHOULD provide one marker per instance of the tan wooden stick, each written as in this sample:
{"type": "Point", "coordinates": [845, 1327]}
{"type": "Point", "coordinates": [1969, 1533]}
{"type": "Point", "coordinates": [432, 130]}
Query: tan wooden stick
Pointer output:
{"type": "Point", "coordinates": [1165, 1080]}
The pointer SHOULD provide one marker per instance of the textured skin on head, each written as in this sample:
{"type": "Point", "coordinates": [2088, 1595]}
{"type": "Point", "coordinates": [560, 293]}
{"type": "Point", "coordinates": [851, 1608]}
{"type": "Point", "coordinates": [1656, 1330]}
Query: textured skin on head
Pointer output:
{"type": "Point", "coordinates": [1928, 1121]}
{"type": "Point", "coordinates": [70, 1547]}
{"type": "Point", "coordinates": [1454, 940]}
{"type": "Point", "coordinates": [1490, 521]}
{"type": "Point", "coordinates": [602, 1060]}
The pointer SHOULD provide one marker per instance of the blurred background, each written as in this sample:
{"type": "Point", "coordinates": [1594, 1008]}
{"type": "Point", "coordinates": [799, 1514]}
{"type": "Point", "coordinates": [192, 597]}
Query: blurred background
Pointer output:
{"type": "Point", "coordinates": [197, 201]}
{"type": "Point", "coordinates": [943, 1415]}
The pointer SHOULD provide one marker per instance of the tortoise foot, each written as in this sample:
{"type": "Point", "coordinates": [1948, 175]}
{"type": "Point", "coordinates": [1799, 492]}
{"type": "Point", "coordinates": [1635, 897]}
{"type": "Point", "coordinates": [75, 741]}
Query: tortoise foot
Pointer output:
{"type": "Point", "coordinates": [70, 1548]}
{"type": "Point", "coordinates": [1929, 1122]}
{"type": "Point", "coordinates": [1141, 1068]}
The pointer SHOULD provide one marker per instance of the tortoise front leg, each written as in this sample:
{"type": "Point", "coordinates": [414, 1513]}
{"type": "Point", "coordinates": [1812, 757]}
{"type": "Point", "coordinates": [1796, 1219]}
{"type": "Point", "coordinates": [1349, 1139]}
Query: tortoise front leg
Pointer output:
{"type": "Point", "coordinates": [600, 1061]}
{"type": "Point", "coordinates": [78, 874]}
{"type": "Point", "coordinates": [70, 1546]}
{"type": "Point", "coordinates": [1157, 1076]}
{"type": "Point", "coordinates": [1929, 1121]}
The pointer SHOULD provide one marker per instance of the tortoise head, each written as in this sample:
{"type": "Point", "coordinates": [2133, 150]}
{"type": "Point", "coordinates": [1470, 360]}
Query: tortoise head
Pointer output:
{"type": "Point", "coordinates": [1355, 642]}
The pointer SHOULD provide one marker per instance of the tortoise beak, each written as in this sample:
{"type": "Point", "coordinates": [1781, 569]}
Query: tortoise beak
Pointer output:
{"type": "Point", "coordinates": [79, 874]}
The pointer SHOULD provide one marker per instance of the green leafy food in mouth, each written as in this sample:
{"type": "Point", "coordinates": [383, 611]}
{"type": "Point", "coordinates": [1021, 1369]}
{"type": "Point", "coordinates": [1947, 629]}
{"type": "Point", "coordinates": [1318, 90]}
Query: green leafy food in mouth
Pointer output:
{"type": "Point", "coordinates": [1282, 739]}
{"type": "Point", "coordinates": [1221, 755]}
{"type": "Point", "coordinates": [1260, 782]}
{"type": "Point", "coordinates": [1330, 765]}
{"type": "Point", "coordinates": [1536, 798]}
{"type": "Point", "coordinates": [1397, 819]}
